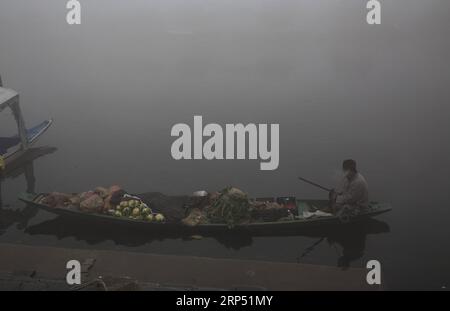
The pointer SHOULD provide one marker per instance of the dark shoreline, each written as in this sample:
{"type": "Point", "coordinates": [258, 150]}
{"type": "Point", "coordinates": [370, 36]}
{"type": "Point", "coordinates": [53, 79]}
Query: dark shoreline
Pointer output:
{"type": "Point", "coordinates": [20, 264]}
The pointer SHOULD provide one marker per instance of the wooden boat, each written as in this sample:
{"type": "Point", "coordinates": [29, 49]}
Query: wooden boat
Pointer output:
{"type": "Point", "coordinates": [13, 147]}
{"type": "Point", "coordinates": [266, 228]}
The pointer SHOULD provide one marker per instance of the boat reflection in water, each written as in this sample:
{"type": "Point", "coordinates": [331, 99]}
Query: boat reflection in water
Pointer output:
{"type": "Point", "coordinates": [351, 238]}
{"type": "Point", "coordinates": [21, 166]}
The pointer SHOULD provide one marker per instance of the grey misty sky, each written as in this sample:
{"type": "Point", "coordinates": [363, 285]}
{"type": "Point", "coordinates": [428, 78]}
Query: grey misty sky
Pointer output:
{"type": "Point", "coordinates": [331, 81]}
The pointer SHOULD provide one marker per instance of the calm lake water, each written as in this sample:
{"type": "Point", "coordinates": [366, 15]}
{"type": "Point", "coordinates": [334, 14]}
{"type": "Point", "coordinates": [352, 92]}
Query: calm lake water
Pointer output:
{"type": "Point", "coordinates": [339, 88]}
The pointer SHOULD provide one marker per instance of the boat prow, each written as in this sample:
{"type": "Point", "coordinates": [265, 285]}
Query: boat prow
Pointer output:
{"type": "Point", "coordinates": [33, 134]}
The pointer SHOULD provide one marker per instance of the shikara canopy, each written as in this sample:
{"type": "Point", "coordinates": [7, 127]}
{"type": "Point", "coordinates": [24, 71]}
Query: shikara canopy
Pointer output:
{"type": "Point", "coordinates": [7, 98]}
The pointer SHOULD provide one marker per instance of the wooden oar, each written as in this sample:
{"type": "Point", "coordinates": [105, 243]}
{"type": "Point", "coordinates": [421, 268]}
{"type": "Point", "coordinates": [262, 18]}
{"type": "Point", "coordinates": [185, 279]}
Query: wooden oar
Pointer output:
{"type": "Point", "coordinates": [314, 184]}
{"type": "Point", "coordinates": [309, 249]}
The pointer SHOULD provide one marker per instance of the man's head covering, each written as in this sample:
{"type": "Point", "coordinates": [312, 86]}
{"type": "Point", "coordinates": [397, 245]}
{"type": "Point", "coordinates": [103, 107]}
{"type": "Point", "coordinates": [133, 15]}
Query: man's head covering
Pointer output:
{"type": "Point", "coordinates": [349, 165]}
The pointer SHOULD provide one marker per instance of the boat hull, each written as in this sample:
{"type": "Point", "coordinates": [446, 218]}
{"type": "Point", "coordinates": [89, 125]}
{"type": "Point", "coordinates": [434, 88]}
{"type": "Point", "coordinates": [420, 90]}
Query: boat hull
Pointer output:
{"type": "Point", "coordinates": [256, 228]}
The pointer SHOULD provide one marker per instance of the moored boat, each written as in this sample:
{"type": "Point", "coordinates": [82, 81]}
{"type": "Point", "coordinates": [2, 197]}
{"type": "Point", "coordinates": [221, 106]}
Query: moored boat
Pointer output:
{"type": "Point", "coordinates": [13, 147]}
{"type": "Point", "coordinates": [257, 227]}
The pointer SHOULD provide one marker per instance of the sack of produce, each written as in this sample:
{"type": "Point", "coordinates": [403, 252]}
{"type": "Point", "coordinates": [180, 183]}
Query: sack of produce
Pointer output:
{"type": "Point", "coordinates": [75, 200]}
{"type": "Point", "coordinates": [102, 192]}
{"type": "Point", "coordinates": [57, 199]}
{"type": "Point", "coordinates": [92, 204]}
{"type": "Point", "coordinates": [86, 195]}
{"type": "Point", "coordinates": [231, 207]}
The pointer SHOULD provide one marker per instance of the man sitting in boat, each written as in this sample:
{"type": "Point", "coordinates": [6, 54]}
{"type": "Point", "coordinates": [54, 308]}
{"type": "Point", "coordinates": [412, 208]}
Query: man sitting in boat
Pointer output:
{"type": "Point", "coordinates": [351, 195]}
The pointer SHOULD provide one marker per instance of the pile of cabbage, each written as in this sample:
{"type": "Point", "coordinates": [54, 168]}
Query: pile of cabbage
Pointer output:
{"type": "Point", "coordinates": [133, 208]}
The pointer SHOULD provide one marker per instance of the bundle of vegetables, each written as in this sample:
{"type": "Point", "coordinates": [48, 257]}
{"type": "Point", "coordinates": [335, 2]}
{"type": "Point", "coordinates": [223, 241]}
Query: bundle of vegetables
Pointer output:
{"type": "Point", "coordinates": [133, 208]}
{"type": "Point", "coordinates": [231, 207]}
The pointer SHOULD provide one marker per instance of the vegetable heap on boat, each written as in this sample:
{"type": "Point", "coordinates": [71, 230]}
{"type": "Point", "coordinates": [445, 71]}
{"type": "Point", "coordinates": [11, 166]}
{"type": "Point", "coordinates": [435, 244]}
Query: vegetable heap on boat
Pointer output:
{"type": "Point", "coordinates": [230, 206]}
{"type": "Point", "coordinates": [112, 201]}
